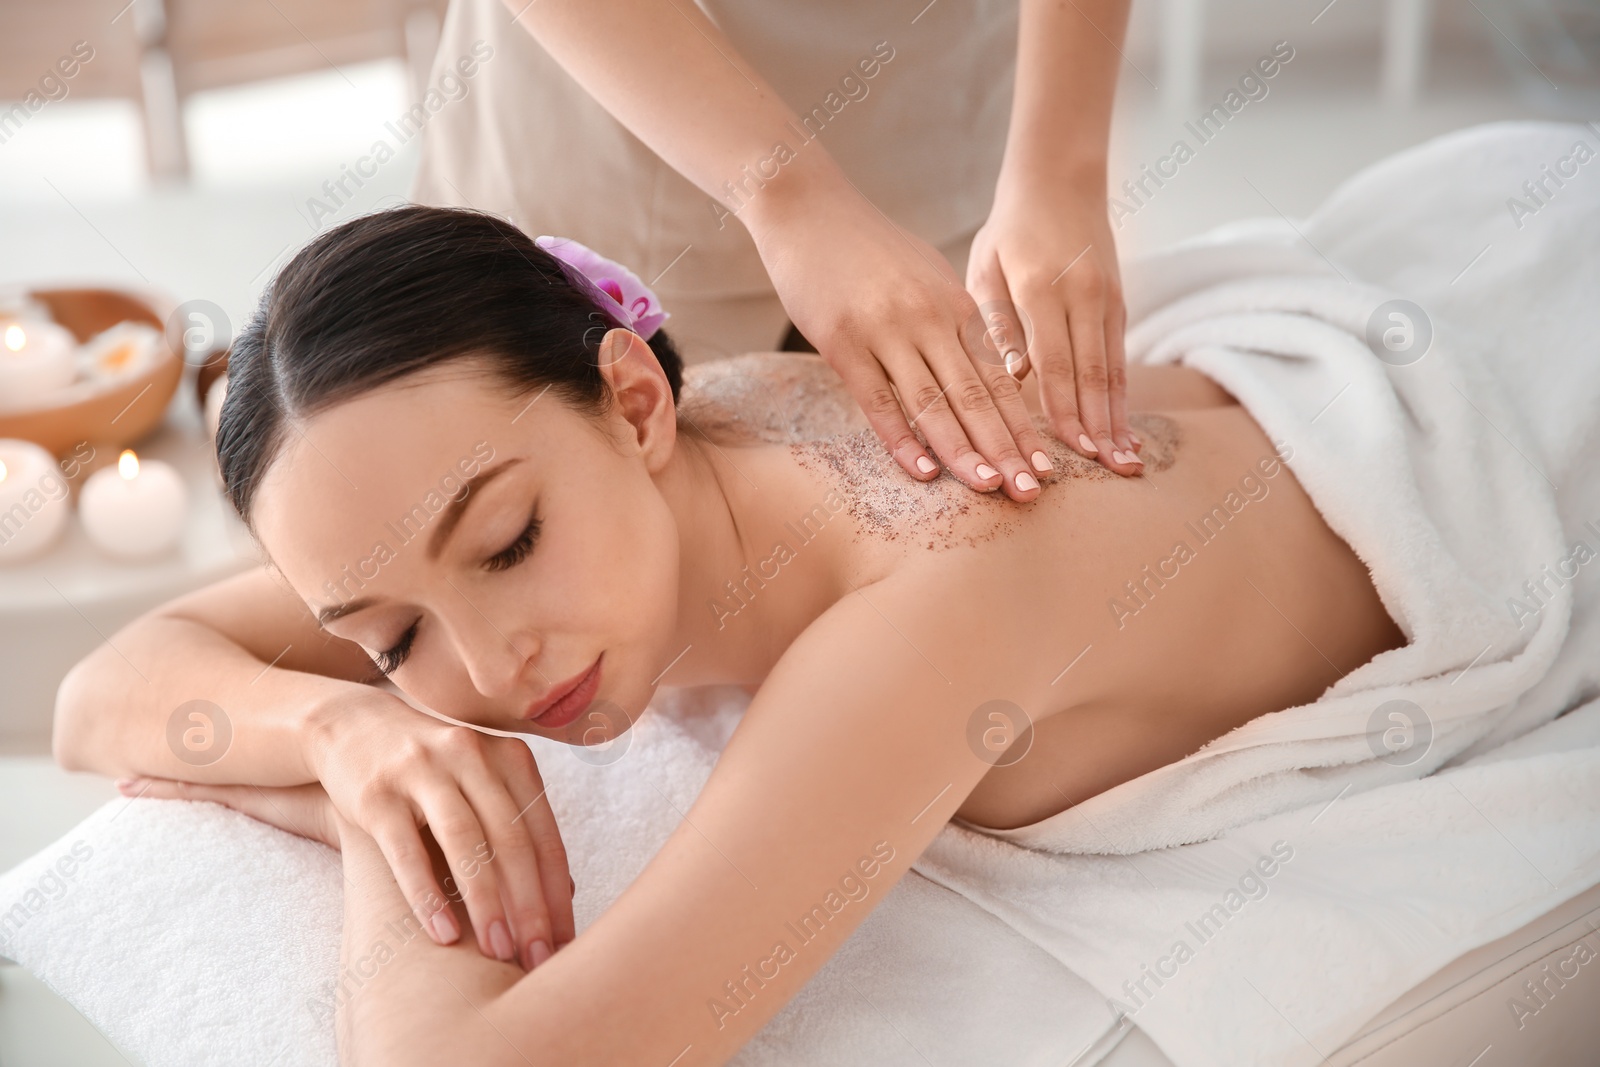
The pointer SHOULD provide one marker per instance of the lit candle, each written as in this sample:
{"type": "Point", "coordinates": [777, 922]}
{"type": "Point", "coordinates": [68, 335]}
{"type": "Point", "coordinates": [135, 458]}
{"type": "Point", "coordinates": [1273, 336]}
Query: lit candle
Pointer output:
{"type": "Point", "coordinates": [33, 500]}
{"type": "Point", "coordinates": [134, 509]}
{"type": "Point", "coordinates": [37, 358]}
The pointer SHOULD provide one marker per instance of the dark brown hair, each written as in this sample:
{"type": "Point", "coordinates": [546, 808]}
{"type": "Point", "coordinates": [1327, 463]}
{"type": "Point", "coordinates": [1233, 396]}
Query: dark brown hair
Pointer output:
{"type": "Point", "coordinates": [395, 292]}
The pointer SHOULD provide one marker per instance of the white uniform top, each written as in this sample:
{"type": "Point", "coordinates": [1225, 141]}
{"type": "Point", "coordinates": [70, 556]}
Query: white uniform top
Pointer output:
{"type": "Point", "coordinates": [922, 136]}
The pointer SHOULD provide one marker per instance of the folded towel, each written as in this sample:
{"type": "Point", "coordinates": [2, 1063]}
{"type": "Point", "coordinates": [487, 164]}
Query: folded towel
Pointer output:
{"type": "Point", "coordinates": [193, 935]}
{"type": "Point", "coordinates": [1464, 470]}
{"type": "Point", "coordinates": [1273, 944]}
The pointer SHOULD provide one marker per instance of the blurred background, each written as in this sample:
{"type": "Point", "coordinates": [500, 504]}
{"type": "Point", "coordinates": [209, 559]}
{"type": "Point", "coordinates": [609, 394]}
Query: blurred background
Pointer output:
{"type": "Point", "coordinates": [196, 145]}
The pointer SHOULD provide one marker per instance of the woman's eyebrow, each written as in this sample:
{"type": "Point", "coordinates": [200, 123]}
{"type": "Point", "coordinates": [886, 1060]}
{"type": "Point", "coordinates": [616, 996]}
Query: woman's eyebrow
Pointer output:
{"type": "Point", "coordinates": [451, 515]}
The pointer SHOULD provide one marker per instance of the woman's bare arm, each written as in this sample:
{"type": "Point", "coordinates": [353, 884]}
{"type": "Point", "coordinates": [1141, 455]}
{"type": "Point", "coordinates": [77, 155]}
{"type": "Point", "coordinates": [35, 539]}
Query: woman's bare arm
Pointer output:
{"type": "Point", "coordinates": [849, 761]}
{"type": "Point", "coordinates": [246, 645]}
{"type": "Point", "coordinates": [882, 306]}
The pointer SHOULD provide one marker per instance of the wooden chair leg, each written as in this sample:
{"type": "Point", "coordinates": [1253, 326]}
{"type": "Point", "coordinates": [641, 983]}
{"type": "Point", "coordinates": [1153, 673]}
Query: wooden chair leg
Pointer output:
{"type": "Point", "coordinates": [422, 42]}
{"type": "Point", "coordinates": [166, 147]}
{"type": "Point", "coordinates": [1405, 50]}
{"type": "Point", "coordinates": [1182, 51]}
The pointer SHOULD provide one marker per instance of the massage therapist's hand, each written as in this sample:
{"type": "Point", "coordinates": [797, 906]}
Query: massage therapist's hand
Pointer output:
{"type": "Point", "coordinates": [1050, 255]}
{"type": "Point", "coordinates": [885, 309]}
{"type": "Point", "coordinates": [390, 769]}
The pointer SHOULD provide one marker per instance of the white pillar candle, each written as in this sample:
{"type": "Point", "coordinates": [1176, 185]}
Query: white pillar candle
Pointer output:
{"type": "Point", "coordinates": [33, 500]}
{"type": "Point", "coordinates": [135, 508]}
{"type": "Point", "coordinates": [37, 358]}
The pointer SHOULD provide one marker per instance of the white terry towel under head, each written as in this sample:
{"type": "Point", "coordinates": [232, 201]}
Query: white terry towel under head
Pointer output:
{"type": "Point", "coordinates": [1426, 461]}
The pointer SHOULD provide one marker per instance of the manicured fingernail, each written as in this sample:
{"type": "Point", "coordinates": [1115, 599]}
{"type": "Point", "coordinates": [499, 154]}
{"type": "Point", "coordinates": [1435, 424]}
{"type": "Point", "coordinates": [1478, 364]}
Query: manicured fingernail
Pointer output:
{"type": "Point", "coordinates": [443, 927]}
{"type": "Point", "coordinates": [1025, 482]}
{"type": "Point", "coordinates": [539, 951]}
{"type": "Point", "coordinates": [1086, 444]}
{"type": "Point", "coordinates": [926, 465]}
{"type": "Point", "coordinates": [1133, 457]}
{"type": "Point", "coordinates": [1119, 456]}
{"type": "Point", "coordinates": [986, 471]}
{"type": "Point", "coordinates": [1041, 462]}
{"type": "Point", "coordinates": [1135, 438]}
{"type": "Point", "coordinates": [500, 941]}
{"type": "Point", "coordinates": [1013, 362]}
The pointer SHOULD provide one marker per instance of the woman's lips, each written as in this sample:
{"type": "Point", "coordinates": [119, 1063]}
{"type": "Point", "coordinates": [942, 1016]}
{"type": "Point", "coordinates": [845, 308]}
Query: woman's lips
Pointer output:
{"type": "Point", "coordinates": [577, 694]}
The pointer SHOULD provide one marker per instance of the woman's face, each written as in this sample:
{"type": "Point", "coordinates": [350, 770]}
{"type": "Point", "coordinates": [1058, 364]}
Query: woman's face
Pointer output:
{"type": "Point", "coordinates": [487, 550]}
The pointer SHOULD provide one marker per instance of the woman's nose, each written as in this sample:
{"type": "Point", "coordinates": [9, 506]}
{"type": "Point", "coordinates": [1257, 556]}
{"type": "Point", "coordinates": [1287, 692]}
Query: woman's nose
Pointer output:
{"type": "Point", "coordinates": [496, 656]}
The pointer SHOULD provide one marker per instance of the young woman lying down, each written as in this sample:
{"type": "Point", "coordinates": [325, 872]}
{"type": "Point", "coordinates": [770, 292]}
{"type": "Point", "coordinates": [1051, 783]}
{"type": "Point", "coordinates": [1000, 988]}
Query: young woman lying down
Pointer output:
{"type": "Point", "coordinates": [467, 475]}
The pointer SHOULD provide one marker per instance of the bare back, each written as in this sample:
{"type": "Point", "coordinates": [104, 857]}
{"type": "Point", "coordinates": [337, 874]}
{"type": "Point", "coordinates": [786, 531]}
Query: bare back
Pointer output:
{"type": "Point", "coordinates": [1131, 620]}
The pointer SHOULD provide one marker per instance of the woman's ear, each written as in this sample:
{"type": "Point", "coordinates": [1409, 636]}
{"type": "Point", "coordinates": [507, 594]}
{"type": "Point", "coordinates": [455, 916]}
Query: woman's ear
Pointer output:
{"type": "Point", "coordinates": [642, 396]}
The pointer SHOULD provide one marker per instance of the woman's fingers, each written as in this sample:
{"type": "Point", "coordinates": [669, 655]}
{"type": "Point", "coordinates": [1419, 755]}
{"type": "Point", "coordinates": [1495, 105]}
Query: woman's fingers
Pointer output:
{"type": "Point", "coordinates": [536, 822]}
{"type": "Point", "coordinates": [1051, 355]}
{"type": "Point", "coordinates": [932, 408]}
{"type": "Point", "coordinates": [473, 874]}
{"type": "Point", "coordinates": [1116, 323]}
{"type": "Point", "coordinates": [536, 819]}
{"type": "Point", "coordinates": [1086, 326]}
{"type": "Point", "coordinates": [870, 386]}
{"type": "Point", "coordinates": [532, 877]}
{"type": "Point", "coordinates": [999, 335]}
{"type": "Point", "coordinates": [396, 834]}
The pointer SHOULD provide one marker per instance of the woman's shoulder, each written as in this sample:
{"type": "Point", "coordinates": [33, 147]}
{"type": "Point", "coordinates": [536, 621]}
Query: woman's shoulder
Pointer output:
{"type": "Point", "coordinates": [891, 508]}
{"type": "Point", "coordinates": [767, 398]}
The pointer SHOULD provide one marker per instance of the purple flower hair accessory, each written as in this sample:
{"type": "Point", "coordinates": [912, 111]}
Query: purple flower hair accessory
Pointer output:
{"type": "Point", "coordinates": [620, 292]}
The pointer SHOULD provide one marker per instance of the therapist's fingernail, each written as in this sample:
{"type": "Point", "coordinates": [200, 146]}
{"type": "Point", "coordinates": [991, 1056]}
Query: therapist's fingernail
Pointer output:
{"type": "Point", "coordinates": [986, 471]}
{"type": "Point", "coordinates": [926, 465]}
{"type": "Point", "coordinates": [500, 941]}
{"type": "Point", "coordinates": [1118, 455]}
{"type": "Point", "coordinates": [1086, 444]}
{"type": "Point", "coordinates": [1041, 462]}
{"type": "Point", "coordinates": [538, 952]}
{"type": "Point", "coordinates": [1026, 482]}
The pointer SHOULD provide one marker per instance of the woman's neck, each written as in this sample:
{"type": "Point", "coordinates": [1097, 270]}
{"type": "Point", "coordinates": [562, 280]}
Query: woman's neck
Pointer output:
{"type": "Point", "coordinates": [756, 566]}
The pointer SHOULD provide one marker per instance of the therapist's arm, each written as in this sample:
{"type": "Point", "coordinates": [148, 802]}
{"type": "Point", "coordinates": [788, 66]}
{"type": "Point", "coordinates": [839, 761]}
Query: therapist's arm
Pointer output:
{"type": "Point", "coordinates": [1047, 248]}
{"type": "Point", "coordinates": [883, 307]}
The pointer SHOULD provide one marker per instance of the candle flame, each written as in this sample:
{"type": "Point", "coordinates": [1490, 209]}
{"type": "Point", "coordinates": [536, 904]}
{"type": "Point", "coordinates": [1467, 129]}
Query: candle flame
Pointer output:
{"type": "Point", "coordinates": [128, 464]}
{"type": "Point", "coordinates": [16, 337]}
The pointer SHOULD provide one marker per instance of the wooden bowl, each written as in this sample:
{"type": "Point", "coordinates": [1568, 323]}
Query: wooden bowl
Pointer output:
{"type": "Point", "coordinates": [119, 415]}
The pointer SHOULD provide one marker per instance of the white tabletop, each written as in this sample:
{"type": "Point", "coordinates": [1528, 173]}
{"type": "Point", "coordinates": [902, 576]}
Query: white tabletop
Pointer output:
{"type": "Point", "coordinates": [57, 607]}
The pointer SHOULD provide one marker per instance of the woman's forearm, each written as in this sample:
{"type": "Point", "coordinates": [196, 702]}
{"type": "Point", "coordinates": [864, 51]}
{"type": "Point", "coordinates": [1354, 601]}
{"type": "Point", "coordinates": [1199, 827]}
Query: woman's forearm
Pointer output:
{"type": "Point", "coordinates": [170, 697]}
{"type": "Point", "coordinates": [399, 998]}
{"type": "Point", "coordinates": [665, 71]}
{"type": "Point", "coordinates": [1068, 55]}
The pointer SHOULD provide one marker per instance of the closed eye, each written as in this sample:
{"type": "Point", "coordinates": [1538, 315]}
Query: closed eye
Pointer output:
{"type": "Point", "coordinates": [390, 660]}
{"type": "Point", "coordinates": [517, 550]}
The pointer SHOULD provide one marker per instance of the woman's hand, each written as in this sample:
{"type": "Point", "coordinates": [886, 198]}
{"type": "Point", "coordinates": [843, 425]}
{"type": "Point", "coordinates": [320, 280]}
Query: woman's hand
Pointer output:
{"type": "Point", "coordinates": [1050, 261]}
{"type": "Point", "coordinates": [390, 769]}
{"type": "Point", "coordinates": [885, 309]}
